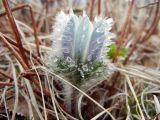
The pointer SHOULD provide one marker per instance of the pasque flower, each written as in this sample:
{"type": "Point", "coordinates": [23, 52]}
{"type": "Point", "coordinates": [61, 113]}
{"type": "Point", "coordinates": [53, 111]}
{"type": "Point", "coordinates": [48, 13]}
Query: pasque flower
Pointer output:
{"type": "Point", "coordinates": [80, 47]}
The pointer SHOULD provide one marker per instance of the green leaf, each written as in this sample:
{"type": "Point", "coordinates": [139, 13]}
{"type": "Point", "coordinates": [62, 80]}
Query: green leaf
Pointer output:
{"type": "Point", "coordinates": [112, 50]}
{"type": "Point", "coordinates": [123, 52]}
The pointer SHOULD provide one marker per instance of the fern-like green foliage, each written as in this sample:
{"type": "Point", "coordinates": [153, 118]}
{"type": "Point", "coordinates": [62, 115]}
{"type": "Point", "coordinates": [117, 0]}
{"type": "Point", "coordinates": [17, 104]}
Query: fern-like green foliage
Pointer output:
{"type": "Point", "coordinates": [78, 73]}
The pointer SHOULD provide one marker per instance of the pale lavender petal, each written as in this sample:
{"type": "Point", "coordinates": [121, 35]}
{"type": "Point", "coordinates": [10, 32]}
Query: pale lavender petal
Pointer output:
{"type": "Point", "coordinates": [82, 37]}
{"type": "Point", "coordinates": [96, 44]}
{"type": "Point", "coordinates": [68, 38]}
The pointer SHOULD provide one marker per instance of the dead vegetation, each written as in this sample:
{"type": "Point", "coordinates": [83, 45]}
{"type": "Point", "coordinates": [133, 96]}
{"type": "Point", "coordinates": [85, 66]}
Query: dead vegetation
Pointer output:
{"type": "Point", "coordinates": [29, 90]}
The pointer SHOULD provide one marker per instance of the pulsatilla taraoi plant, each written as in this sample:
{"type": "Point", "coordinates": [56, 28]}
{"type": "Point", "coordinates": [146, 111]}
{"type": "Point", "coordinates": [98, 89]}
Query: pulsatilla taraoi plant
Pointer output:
{"type": "Point", "coordinates": [80, 48]}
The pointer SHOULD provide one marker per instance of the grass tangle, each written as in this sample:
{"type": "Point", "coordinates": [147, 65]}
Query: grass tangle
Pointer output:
{"type": "Point", "coordinates": [31, 88]}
